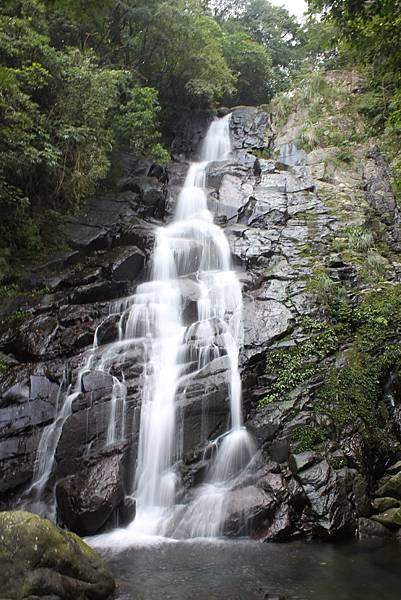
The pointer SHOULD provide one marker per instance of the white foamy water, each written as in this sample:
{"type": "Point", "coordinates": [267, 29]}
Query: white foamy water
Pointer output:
{"type": "Point", "coordinates": [191, 249]}
{"type": "Point", "coordinates": [191, 256]}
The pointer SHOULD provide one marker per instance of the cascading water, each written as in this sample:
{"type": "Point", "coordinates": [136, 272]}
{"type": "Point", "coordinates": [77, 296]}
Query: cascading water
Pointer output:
{"type": "Point", "coordinates": [192, 249]}
{"type": "Point", "coordinates": [191, 252]}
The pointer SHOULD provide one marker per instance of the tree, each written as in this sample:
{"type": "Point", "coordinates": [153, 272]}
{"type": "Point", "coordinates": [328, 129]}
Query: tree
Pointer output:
{"type": "Point", "coordinates": [370, 30]}
{"type": "Point", "coordinates": [277, 31]}
{"type": "Point", "coordinates": [252, 66]}
{"type": "Point", "coordinates": [61, 113]}
{"type": "Point", "coordinates": [174, 47]}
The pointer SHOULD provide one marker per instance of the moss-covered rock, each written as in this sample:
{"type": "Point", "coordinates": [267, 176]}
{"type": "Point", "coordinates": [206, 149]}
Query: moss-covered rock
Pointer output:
{"type": "Point", "coordinates": [382, 504]}
{"type": "Point", "coordinates": [40, 560]}
{"type": "Point", "coordinates": [391, 488]}
{"type": "Point", "coordinates": [391, 518]}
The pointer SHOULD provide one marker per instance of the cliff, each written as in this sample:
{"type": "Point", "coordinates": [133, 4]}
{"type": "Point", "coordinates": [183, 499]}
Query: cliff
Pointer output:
{"type": "Point", "coordinates": [315, 240]}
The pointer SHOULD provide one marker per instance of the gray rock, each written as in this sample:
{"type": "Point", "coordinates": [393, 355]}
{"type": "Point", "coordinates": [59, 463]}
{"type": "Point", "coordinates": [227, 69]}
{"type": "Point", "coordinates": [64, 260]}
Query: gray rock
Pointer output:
{"type": "Point", "coordinates": [250, 128]}
{"type": "Point", "coordinates": [265, 321]}
{"type": "Point", "coordinates": [298, 462]}
{"type": "Point", "coordinates": [248, 509]}
{"type": "Point", "coordinates": [96, 380]}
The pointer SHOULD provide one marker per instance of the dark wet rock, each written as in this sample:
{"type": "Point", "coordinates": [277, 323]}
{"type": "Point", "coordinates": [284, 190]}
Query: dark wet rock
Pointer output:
{"type": "Point", "coordinates": [99, 292]}
{"type": "Point", "coordinates": [35, 336]}
{"type": "Point", "coordinates": [39, 560]}
{"type": "Point", "coordinates": [281, 527]}
{"type": "Point", "coordinates": [298, 462]}
{"type": "Point", "coordinates": [107, 332]}
{"type": "Point", "coordinates": [127, 511]}
{"type": "Point", "coordinates": [390, 518]}
{"type": "Point", "coordinates": [394, 469]}
{"type": "Point", "coordinates": [370, 529]}
{"type": "Point", "coordinates": [248, 509]}
{"type": "Point", "coordinates": [204, 408]}
{"type": "Point", "coordinates": [337, 498]}
{"type": "Point", "coordinates": [85, 502]}
{"type": "Point", "coordinates": [96, 380]}
{"type": "Point", "coordinates": [189, 132]}
{"type": "Point", "coordinates": [279, 450]}
{"type": "Point", "coordinates": [391, 488]}
{"type": "Point", "coordinates": [127, 264]}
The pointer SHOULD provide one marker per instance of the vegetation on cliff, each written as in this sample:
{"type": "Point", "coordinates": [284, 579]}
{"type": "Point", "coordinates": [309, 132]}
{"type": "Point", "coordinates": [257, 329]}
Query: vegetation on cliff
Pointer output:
{"type": "Point", "coordinates": [80, 78]}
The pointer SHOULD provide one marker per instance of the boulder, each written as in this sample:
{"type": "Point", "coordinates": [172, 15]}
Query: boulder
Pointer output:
{"type": "Point", "coordinates": [368, 529]}
{"type": "Point", "coordinates": [281, 528]}
{"type": "Point", "coordinates": [127, 264]}
{"type": "Point", "coordinates": [391, 488]}
{"type": "Point", "coordinates": [248, 509]}
{"type": "Point", "coordinates": [39, 560]}
{"type": "Point", "coordinates": [250, 127]}
{"type": "Point", "coordinates": [85, 502]}
{"type": "Point", "coordinates": [96, 380]}
{"type": "Point", "coordinates": [391, 518]}
{"type": "Point", "coordinates": [298, 462]}
{"type": "Point", "coordinates": [383, 504]}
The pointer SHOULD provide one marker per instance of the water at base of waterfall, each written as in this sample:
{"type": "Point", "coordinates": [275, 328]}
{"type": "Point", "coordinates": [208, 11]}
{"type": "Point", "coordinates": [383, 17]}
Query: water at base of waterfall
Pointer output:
{"type": "Point", "coordinates": [246, 570]}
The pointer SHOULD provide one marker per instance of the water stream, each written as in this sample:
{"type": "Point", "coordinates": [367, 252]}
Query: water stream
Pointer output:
{"type": "Point", "coordinates": [191, 253]}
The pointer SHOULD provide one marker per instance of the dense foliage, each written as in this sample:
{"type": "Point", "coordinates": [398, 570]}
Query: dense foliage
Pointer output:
{"type": "Point", "coordinates": [367, 35]}
{"type": "Point", "coordinates": [78, 77]}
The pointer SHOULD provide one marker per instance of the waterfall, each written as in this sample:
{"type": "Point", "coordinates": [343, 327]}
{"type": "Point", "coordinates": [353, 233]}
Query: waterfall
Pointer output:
{"type": "Point", "coordinates": [191, 252]}
{"type": "Point", "coordinates": [191, 249]}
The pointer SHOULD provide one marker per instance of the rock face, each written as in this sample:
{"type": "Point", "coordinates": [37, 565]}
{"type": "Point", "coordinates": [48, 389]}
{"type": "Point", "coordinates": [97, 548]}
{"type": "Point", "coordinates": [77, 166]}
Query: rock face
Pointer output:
{"type": "Point", "coordinates": [39, 560]}
{"type": "Point", "coordinates": [277, 226]}
{"type": "Point", "coordinates": [87, 502]}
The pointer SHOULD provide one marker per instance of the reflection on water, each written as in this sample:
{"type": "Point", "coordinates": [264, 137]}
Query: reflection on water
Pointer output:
{"type": "Point", "coordinates": [243, 570]}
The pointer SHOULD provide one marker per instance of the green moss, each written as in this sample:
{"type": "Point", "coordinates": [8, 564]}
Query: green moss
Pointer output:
{"type": "Point", "coordinates": [9, 290]}
{"type": "Point", "coordinates": [264, 154]}
{"type": "Point", "coordinates": [337, 462]}
{"type": "Point", "coordinates": [18, 314]}
{"type": "Point", "coordinates": [351, 391]}
{"type": "Point", "coordinates": [307, 437]}
{"type": "Point", "coordinates": [294, 366]}
{"type": "Point", "coordinates": [324, 287]}
{"type": "Point", "coordinates": [13, 289]}
{"type": "Point", "coordinates": [344, 155]}
{"type": "Point", "coordinates": [3, 366]}
{"type": "Point", "coordinates": [352, 394]}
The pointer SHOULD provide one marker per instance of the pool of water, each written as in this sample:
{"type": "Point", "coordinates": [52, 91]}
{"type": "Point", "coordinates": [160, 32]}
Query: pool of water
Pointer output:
{"type": "Point", "coordinates": [245, 570]}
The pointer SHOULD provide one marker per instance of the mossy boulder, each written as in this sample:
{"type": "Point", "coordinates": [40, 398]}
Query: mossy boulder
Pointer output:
{"type": "Point", "coordinates": [391, 488]}
{"type": "Point", "coordinates": [391, 518]}
{"type": "Point", "coordinates": [39, 560]}
{"type": "Point", "coordinates": [383, 504]}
